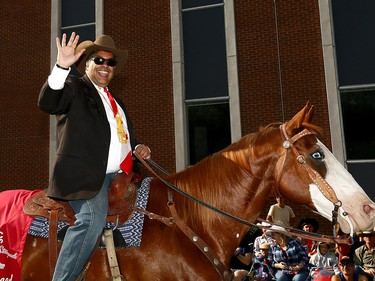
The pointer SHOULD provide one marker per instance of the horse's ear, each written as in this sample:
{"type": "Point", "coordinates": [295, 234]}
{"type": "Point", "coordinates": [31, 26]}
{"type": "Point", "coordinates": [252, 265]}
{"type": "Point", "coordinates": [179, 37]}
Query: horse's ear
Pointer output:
{"type": "Point", "coordinates": [310, 114]}
{"type": "Point", "coordinates": [302, 116]}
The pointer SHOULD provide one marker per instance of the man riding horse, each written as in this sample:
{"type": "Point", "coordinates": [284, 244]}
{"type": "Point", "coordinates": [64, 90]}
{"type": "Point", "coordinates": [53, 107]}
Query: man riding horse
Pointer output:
{"type": "Point", "coordinates": [95, 141]}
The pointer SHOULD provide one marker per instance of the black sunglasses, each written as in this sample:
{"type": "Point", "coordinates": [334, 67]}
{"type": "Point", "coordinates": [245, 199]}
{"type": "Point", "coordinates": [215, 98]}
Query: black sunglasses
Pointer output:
{"type": "Point", "coordinates": [100, 61]}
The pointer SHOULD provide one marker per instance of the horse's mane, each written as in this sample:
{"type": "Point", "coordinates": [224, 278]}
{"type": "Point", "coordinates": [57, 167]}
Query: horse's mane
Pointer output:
{"type": "Point", "coordinates": [219, 175]}
{"type": "Point", "coordinates": [226, 173]}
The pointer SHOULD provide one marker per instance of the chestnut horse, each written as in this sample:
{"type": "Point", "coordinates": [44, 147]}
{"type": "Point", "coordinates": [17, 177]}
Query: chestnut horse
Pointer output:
{"type": "Point", "coordinates": [287, 159]}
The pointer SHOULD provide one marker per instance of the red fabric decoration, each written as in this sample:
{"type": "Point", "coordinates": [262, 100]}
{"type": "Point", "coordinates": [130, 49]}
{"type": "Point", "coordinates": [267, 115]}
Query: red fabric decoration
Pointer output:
{"type": "Point", "coordinates": [14, 226]}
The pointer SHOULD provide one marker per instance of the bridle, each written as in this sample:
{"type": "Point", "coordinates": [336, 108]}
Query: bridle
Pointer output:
{"type": "Point", "coordinates": [323, 186]}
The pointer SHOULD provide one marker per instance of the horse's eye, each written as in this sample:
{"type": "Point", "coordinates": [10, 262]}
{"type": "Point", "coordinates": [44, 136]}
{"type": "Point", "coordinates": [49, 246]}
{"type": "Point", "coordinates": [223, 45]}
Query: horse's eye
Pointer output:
{"type": "Point", "coordinates": [317, 155]}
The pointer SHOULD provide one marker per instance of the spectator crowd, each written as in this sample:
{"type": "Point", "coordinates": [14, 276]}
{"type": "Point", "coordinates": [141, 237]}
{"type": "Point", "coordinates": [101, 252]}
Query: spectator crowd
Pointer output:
{"type": "Point", "coordinates": [271, 253]}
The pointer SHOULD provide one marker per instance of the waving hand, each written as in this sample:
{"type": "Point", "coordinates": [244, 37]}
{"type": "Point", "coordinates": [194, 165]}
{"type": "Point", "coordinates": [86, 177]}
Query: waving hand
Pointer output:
{"type": "Point", "coordinates": [66, 55]}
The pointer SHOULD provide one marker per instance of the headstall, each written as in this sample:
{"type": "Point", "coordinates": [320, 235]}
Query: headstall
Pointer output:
{"type": "Point", "coordinates": [323, 186]}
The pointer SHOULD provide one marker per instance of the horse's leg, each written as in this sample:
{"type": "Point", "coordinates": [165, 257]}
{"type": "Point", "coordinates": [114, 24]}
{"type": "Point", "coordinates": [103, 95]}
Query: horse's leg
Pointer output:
{"type": "Point", "coordinates": [35, 263]}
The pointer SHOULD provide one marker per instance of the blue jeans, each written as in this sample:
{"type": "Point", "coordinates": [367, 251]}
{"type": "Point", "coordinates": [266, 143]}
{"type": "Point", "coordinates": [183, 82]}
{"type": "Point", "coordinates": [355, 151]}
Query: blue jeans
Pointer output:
{"type": "Point", "coordinates": [81, 238]}
{"type": "Point", "coordinates": [301, 276]}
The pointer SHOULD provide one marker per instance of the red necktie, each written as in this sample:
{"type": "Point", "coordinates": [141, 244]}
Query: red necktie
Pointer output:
{"type": "Point", "coordinates": [127, 164]}
{"type": "Point", "coordinates": [112, 101]}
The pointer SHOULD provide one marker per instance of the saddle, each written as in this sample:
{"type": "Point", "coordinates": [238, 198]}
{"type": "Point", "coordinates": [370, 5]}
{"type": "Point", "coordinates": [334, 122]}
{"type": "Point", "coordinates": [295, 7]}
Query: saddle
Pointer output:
{"type": "Point", "coordinates": [122, 197]}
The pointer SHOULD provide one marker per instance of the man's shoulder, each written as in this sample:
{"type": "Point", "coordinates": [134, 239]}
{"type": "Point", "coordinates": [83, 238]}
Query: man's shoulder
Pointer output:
{"type": "Point", "coordinates": [273, 206]}
{"type": "Point", "coordinates": [360, 252]}
{"type": "Point", "coordinates": [361, 249]}
{"type": "Point", "coordinates": [72, 79]}
{"type": "Point", "coordinates": [82, 82]}
{"type": "Point", "coordinates": [81, 79]}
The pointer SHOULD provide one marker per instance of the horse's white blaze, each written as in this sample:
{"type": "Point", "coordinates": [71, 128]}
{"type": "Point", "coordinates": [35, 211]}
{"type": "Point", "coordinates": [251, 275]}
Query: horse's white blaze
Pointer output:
{"type": "Point", "coordinates": [349, 192]}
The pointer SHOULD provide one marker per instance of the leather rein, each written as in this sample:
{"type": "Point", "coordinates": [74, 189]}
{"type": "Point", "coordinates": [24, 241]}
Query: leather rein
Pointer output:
{"type": "Point", "coordinates": [226, 274]}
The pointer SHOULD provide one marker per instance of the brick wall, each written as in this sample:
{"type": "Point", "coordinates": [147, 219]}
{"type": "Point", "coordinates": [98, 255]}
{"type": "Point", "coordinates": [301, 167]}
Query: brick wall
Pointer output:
{"type": "Point", "coordinates": [301, 62]}
{"type": "Point", "coordinates": [25, 47]}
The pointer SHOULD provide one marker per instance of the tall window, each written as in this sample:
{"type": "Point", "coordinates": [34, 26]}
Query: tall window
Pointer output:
{"type": "Point", "coordinates": [78, 16]}
{"type": "Point", "coordinates": [205, 77]}
{"type": "Point", "coordinates": [354, 26]}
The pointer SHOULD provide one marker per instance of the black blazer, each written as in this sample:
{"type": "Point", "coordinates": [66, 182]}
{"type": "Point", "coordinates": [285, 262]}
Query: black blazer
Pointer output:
{"type": "Point", "coordinates": [83, 138]}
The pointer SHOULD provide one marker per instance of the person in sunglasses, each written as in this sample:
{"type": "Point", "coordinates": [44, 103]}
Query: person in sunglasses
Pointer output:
{"type": "Point", "coordinates": [95, 141]}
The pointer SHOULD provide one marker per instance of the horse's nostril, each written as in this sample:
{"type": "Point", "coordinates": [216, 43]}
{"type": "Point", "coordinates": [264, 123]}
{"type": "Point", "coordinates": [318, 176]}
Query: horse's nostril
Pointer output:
{"type": "Point", "coordinates": [367, 208]}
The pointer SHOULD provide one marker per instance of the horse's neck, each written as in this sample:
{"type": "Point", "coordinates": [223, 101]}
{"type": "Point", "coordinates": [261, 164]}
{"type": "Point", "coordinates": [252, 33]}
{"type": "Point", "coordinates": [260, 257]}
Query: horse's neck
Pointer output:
{"type": "Point", "coordinates": [234, 181]}
{"type": "Point", "coordinates": [243, 196]}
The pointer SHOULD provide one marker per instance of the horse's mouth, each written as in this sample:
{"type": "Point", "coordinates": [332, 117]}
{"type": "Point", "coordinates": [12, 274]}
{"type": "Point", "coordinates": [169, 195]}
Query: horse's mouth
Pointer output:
{"type": "Point", "coordinates": [350, 223]}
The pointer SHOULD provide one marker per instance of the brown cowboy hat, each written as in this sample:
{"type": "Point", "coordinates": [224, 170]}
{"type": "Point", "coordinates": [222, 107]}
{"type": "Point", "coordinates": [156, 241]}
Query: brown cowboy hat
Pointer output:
{"type": "Point", "coordinates": [103, 43]}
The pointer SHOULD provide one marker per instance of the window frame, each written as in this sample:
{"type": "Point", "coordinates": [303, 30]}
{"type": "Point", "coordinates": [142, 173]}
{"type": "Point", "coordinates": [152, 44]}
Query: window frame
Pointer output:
{"type": "Point", "coordinates": [181, 138]}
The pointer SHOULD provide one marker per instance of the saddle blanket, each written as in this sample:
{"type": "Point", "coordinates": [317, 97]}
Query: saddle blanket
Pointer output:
{"type": "Point", "coordinates": [131, 231]}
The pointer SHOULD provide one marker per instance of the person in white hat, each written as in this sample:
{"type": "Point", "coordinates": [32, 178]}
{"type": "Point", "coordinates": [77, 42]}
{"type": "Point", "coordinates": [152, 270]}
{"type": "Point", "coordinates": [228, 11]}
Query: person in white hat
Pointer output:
{"type": "Point", "coordinates": [264, 238]}
{"type": "Point", "coordinates": [287, 256]}
{"type": "Point", "coordinates": [94, 141]}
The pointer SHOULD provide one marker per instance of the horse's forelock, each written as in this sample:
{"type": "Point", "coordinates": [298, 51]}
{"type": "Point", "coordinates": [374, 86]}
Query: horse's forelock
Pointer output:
{"type": "Point", "coordinates": [312, 127]}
